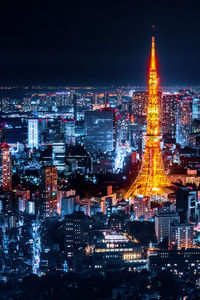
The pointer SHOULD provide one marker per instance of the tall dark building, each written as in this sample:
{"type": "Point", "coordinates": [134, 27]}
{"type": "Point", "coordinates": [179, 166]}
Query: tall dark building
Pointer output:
{"type": "Point", "coordinates": [75, 226]}
{"type": "Point", "coordinates": [182, 203]}
{"type": "Point", "coordinates": [168, 120]}
{"type": "Point", "coordinates": [100, 130]}
{"type": "Point", "coordinates": [51, 178]}
{"type": "Point", "coordinates": [75, 106]}
{"type": "Point", "coordinates": [6, 170]}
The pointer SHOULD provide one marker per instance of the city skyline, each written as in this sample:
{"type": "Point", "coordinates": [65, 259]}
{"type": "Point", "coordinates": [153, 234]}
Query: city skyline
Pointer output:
{"type": "Point", "coordinates": [99, 174]}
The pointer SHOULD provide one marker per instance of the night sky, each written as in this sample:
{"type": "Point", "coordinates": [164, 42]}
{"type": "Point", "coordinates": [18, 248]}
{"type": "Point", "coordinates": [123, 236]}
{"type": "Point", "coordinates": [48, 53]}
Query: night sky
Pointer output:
{"type": "Point", "coordinates": [98, 42]}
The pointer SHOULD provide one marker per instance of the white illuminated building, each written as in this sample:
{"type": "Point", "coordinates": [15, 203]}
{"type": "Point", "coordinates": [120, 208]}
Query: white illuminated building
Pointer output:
{"type": "Point", "coordinates": [58, 155]}
{"type": "Point", "coordinates": [33, 133]}
{"type": "Point", "coordinates": [121, 153]}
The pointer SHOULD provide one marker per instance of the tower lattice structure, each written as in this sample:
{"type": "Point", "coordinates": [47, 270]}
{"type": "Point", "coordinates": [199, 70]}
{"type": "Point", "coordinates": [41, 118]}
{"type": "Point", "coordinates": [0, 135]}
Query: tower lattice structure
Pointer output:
{"type": "Point", "coordinates": [152, 177]}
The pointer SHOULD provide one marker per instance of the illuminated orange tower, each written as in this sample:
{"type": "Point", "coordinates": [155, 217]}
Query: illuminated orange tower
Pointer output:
{"type": "Point", "coordinates": [152, 177]}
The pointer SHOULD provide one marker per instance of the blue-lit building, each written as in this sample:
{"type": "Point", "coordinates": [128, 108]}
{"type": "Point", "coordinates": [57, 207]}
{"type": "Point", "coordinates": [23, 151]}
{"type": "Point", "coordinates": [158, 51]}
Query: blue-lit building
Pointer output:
{"type": "Point", "coordinates": [33, 133]}
{"type": "Point", "coordinates": [184, 120]}
{"type": "Point", "coordinates": [100, 130]}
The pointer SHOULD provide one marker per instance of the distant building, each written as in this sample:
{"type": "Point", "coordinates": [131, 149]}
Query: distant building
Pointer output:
{"type": "Point", "coordinates": [184, 120]}
{"type": "Point", "coordinates": [163, 223]}
{"type": "Point", "coordinates": [30, 207]}
{"type": "Point", "coordinates": [177, 261]}
{"type": "Point", "coordinates": [142, 207]}
{"type": "Point", "coordinates": [181, 236]}
{"type": "Point", "coordinates": [139, 103]}
{"type": "Point", "coordinates": [6, 170]}
{"type": "Point", "coordinates": [58, 155]}
{"type": "Point", "coordinates": [182, 203]}
{"type": "Point", "coordinates": [33, 133]}
{"type": "Point", "coordinates": [195, 108]}
{"type": "Point", "coordinates": [100, 130]}
{"type": "Point", "coordinates": [70, 132]}
{"type": "Point", "coordinates": [51, 178]}
{"type": "Point", "coordinates": [168, 120]}
{"type": "Point", "coordinates": [116, 222]}
{"type": "Point", "coordinates": [68, 206]}
{"type": "Point", "coordinates": [61, 194]}
{"type": "Point", "coordinates": [75, 226]}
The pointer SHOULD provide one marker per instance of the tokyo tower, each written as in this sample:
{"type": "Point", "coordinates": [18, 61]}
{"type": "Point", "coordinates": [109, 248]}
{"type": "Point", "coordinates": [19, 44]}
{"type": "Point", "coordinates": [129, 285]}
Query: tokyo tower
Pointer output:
{"type": "Point", "coordinates": [152, 177]}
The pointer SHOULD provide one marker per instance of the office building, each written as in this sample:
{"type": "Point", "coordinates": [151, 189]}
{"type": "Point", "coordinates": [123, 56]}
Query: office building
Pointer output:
{"type": "Point", "coordinates": [195, 108]}
{"type": "Point", "coordinates": [163, 223]}
{"type": "Point", "coordinates": [168, 119]}
{"type": "Point", "coordinates": [182, 203]}
{"type": "Point", "coordinates": [68, 206]}
{"type": "Point", "coordinates": [139, 103]}
{"type": "Point", "coordinates": [51, 178]}
{"type": "Point", "coordinates": [58, 155]}
{"type": "Point", "coordinates": [100, 130]}
{"type": "Point", "coordinates": [61, 194]}
{"type": "Point", "coordinates": [70, 132]}
{"type": "Point", "coordinates": [6, 170]}
{"type": "Point", "coordinates": [33, 133]}
{"type": "Point", "coordinates": [184, 120]}
{"type": "Point", "coordinates": [181, 236]}
{"type": "Point", "coordinates": [75, 226]}
{"type": "Point", "coordinates": [113, 248]}
{"type": "Point", "coordinates": [30, 208]}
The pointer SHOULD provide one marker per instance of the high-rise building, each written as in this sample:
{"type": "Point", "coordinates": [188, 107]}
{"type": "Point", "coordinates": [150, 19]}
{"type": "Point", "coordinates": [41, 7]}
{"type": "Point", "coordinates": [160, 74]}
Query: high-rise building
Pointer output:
{"type": "Point", "coordinates": [51, 178]}
{"type": "Point", "coordinates": [30, 208]}
{"type": "Point", "coordinates": [68, 206]}
{"type": "Point", "coordinates": [142, 207]}
{"type": "Point", "coordinates": [33, 133]}
{"type": "Point", "coordinates": [169, 109]}
{"type": "Point", "coordinates": [75, 106]}
{"type": "Point", "coordinates": [61, 194]}
{"type": "Point", "coordinates": [100, 130]}
{"type": "Point", "coordinates": [139, 103]}
{"type": "Point", "coordinates": [152, 177]}
{"type": "Point", "coordinates": [6, 170]}
{"type": "Point", "coordinates": [58, 155]}
{"type": "Point", "coordinates": [75, 226]}
{"type": "Point", "coordinates": [70, 132]}
{"type": "Point", "coordinates": [184, 120]}
{"type": "Point", "coordinates": [182, 203]}
{"type": "Point", "coordinates": [163, 223]}
{"type": "Point", "coordinates": [195, 108]}
{"type": "Point", "coordinates": [181, 236]}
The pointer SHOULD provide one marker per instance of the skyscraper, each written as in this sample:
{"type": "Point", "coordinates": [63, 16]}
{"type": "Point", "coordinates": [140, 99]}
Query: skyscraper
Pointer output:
{"type": "Point", "coordinates": [70, 132]}
{"type": "Point", "coordinates": [58, 155]}
{"type": "Point", "coordinates": [169, 109]}
{"type": "Point", "coordinates": [163, 223]}
{"type": "Point", "coordinates": [184, 120]}
{"type": "Point", "coordinates": [139, 103]}
{"type": "Point", "coordinates": [100, 130]}
{"type": "Point", "coordinates": [152, 177]}
{"type": "Point", "coordinates": [51, 191]}
{"type": "Point", "coordinates": [75, 106]}
{"type": "Point", "coordinates": [33, 133]}
{"type": "Point", "coordinates": [6, 171]}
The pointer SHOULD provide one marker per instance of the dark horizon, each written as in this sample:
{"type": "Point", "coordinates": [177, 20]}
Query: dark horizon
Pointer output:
{"type": "Point", "coordinates": [98, 43]}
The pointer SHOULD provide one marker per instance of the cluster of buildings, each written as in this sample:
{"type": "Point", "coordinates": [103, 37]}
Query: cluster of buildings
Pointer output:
{"type": "Point", "coordinates": [78, 166]}
{"type": "Point", "coordinates": [52, 141]}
